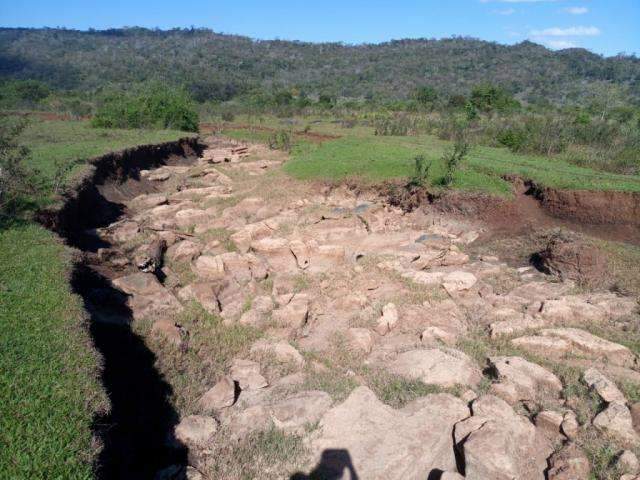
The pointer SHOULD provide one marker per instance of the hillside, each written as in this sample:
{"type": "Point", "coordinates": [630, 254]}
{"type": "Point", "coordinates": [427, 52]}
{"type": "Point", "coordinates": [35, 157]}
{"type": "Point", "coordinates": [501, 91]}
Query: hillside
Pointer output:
{"type": "Point", "coordinates": [216, 66]}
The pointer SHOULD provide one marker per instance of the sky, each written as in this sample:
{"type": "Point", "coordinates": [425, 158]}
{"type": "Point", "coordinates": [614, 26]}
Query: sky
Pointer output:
{"type": "Point", "coordinates": [607, 27]}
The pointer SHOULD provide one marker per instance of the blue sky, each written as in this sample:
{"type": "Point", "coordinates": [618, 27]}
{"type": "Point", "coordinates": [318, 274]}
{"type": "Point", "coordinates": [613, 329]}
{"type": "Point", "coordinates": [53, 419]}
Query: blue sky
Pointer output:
{"type": "Point", "coordinates": [603, 26]}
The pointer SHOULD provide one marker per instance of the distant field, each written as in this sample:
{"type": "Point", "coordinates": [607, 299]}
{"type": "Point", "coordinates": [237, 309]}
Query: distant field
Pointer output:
{"type": "Point", "coordinates": [362, 155]}
{"type": "Point", "coordinates": [49, 384]}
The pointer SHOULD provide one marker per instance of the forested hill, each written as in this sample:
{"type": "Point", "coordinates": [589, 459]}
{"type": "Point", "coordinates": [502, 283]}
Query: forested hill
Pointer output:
{"type": "Point", "coordinates": [216, 66]}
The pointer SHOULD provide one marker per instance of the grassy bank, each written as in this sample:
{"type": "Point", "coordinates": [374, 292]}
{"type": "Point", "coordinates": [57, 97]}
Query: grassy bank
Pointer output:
{"type": "Point", "coordinates": [49, 381]}
{"type": "Point", "coordinates": [49, 377]}
{"type": "Point", "coordinates": [361, 155]}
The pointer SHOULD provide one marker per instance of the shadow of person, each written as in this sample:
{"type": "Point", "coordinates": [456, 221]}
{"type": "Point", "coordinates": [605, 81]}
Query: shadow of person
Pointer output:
{"type": "Point", "coordinates": [332, 466]}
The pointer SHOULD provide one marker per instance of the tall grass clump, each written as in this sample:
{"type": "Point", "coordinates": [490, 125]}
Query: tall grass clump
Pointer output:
{"type": "Point", "coordinates": [148, 106]}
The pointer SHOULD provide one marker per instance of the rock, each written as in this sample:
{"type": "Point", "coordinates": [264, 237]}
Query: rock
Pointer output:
{"type": "Point", "coordinates": [125, 232]}
{"type": "Point", "coordinates": [570, 425]}
{"type": "Point", "coordinates": [221, 395]}
{"type": "Point", "coordinates": [196, 431]}
{"type": "Point", "coordinates": [149, 257]}
{"type": "Point", "coordinates": [635, 415]}
{"type": "Point", "coordinates": [627, 462]}
{"type": "Point", "coordinates": [191, 217]}
{"type": "Point", "coordinates": [294, 314]}
{"type": "Point", "coordinates": [432, 335]}
{"type": "Point", "coordinates": [570, 463]}
{"type": "Point", "coordinates": [520, 380]}
{"type": "Point", "coordinates": [605, 388]}
{"type": "Point", "coordinates": [550, 422]}
{"type": "Point", "coordinates": [247, 374]}
{"type": "Point", "coordinates": [294, 413]}
{"type": "Point", "coordinates": [388, 320]}
{"type": "Point", "coordinates": [458, 280]}
{"type": "Point", "coordinates": [384, 443]}
{"type": "Point", "coordinates": [451, 476]}
{"type": "Point", "coordinates": [445, 368]}
{"type": "Point", "coordinates": [147, 201]}
{"type": "Point", "coordinates": [209, 268]}
{"type": "Point", "coordinates": [277, 253]}
{"type": "Point", "coordinates": [616, 421]}
{"type": "Point", "coordinates": [301, 252]}
{"type": "Point", "coordinates": [559, 341]}
{"type": "Point", "coordinates": [554, 347]}
{"type": "Point", "coordinates": [139, 284]}
{"type": "Point", "coordinates": [159, 176]}
{"type": "Point", "coordinates": [203, 293]}
{"type": "Point", "coordinates": [281, 351]}
{"type": "Point", "coordinates": [360, 340]}
{"type": "Point", "coordinates": [570, 257]}
{"type": "Point", "coordinates": [169, 330]}
{"type": "Point", "coordinates": [499, 444]}
{"type": "Point", "coordinates": [184, 251]}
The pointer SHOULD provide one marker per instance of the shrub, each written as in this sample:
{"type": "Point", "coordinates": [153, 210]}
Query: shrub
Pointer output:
{"type": "Point", "coordinates": [17, 181]}
{"type": "Point", "coordinates": [280, 140]}
{"type": "Point", "coordinates": [420, 177]}
{"type": "Point", "coordinates": [489, 98]}
{"type": "Point", "coordinates": [228, 116]}
{"type": "Point", "coordinates": [150, 106]}
{"type": "Point", "coordinates": [453, 160]}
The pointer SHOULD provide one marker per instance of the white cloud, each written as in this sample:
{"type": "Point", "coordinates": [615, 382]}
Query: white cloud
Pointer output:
{"type": "Point", "coordinates": [566, 32]}
{"type": "Point", "coordinates": [559, 44]}
{"type": "Point", "coordinates": [576, 10]}
{"type": "Point", "coordinates": [506, 11]}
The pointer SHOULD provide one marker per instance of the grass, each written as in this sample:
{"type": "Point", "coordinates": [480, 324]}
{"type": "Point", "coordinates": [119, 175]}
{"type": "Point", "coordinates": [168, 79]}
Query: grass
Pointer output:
{"type": "Point", "coordinates": [361, 155]}
{"type": "Point", "coordinates": [49, 383]}
{"type": "Point", "coordinates": [49, 386]}
{"type": "Point", "coordinates": [64, 141]}
{"type": "Point", "coordinates": [212, 346]}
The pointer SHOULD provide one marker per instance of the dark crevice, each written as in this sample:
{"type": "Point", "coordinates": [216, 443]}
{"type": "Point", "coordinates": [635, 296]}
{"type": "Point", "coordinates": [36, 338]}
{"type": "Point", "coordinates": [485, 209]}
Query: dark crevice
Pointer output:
{"type": "Point", "coordinates": [136, 434]}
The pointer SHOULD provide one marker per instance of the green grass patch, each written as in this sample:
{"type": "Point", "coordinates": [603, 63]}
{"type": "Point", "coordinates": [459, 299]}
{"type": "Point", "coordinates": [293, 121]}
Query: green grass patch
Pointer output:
{"type": "Point", "coordinates": [65, 141]}
{"type": "Point", "coordinates": [49, 387]}
{"type": "Point", "coordinates": [361, 155]}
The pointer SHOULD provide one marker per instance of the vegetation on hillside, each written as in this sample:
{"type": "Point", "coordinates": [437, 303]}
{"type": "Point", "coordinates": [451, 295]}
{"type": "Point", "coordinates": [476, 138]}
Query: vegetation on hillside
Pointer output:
{"type": "Point", "coordinates": [216, 67]}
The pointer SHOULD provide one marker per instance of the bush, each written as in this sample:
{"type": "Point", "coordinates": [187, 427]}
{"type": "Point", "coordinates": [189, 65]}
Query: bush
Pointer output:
{"type": "Point", "coordinates": [228, 116]}
{"type": "Point", "coordinates": [280, 140]}
{"type": "Point", "coordinates": [453, 160]}
{"type": "Point", "coordinates": [151, 106]}
{"type": "Point", "coordinates": [489, 98]}
{"type": "Point", "coordinates": [17, 181]}
{"type": "Point", "coordinates": [420, 177]}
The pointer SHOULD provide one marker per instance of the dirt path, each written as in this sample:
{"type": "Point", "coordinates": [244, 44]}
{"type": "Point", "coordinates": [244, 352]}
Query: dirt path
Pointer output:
{"type": "Point", "coordinates": [306, 329]}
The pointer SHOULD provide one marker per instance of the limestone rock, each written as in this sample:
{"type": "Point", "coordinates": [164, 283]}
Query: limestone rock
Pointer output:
{"type": "Point", "coordinates": [570, 463]}
{"type": "Point", "coordinates": [603, 386]}
{"type": "Point", "coordinates": [616, 421]}
{"type": "Point", "coordinates": [360, 339]}
{"type": "Point", "coordinates": [570, 425]}
{"type": "Point", "coordinates": [388, 320]}
{"type": "Point", "coordinates": [295, 412]}
{"type": "Point", "coordinates": [247, 374]}
{"type": "Point", "coordinates": [384, 443]}
{"type": "Point", "coordinates": [445, 368]}
{"type": "Point", "coordinates": [147, 201]}
{"type": "Point", "coordinates": [184, 251]}
{"type": "Point", "coordinates": [294, 314]}
{"type": "Point", "coordinates": [499, 444]}
{"type": "Point", "coordinates": [209, 267]}
{"type": "Point", "coordinates": [125, 232]}
{"type": "Point", "coordinates": [169, 330]}
{"type": "Point", "coordinates": [522, 380]}
{"type": "Point", "coordinates": [458, 280]}
{"type": "Point", "coordinates": [432, 335]}
{"type": "Point", "coordinates": [628, 463]}
{"type": "Point", "coordinates": [281, 351]}
{"type": "Point", "coordinates": [196, 431]}
{"type": "Point", "coordinates": [221, 395]}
